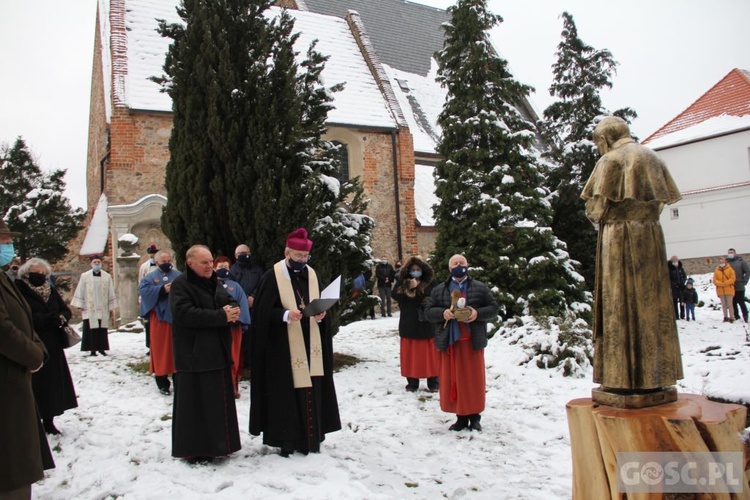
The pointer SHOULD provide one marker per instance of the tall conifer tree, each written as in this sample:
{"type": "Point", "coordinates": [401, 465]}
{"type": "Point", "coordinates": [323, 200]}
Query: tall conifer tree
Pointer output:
{"type": "Point", "coordinates": [580, 73]}
{"type": "Point", "coordinates": [494, 206]}
{"type": "Point", "coordinates": [32, 203]}
{"type": "Point", "coordinates": [247, 160]}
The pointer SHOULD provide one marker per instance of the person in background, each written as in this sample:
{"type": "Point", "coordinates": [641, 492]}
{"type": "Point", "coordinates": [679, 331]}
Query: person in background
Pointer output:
{"type": "Point", "coordinates": [147, 267]}
{"type": "Point", "coordinates": [461, 344]}
{"type": "Point", "coordinates": [24, 452]}
{"type": "Point", "coordinates": [154, 291]}
{"type": "Point", "coordinates": [53, 385]}
{"type": "Point", "coordinates": [204, 415]}
{"type": "Point", "coordinates": [221, 267]}
{"type": "Point", "coordinates": [419, 358]}
{"type": "Point", "coordinates": [246, 272]}
{"type": "Point", "coordinates": [95, 297]}
{"type": "Point", "coordinates": [690, 298]}
{"type": "Point", "coordinates": [677, 278]}
{"type": "Point", "coordinates": [292, 395]}
{"type": "Point", "coordinates": [724, 279]}
{"type": "Point", "coordinates": [397, 268]}
{"type": "Point", "coordinates": [385, 273]}
{"type": "Point", "coordinates": [12, 271]}
{"type": "Point", "coordinates": [742, 274]}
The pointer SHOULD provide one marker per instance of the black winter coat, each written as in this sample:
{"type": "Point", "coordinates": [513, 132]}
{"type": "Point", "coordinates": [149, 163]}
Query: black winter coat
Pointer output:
{"type": "Point", "coordinates": [53, 385]}
{"type": "Point", "coordinates": [478, 296]}
{"type": "Point", "coordinates": [385, 274]}
{"type": "Point", "coordinates": [677, 276]}
{"type": "Point", "coordinates": [412, 324]}
{"type": "Point", "coordinates": [247, 275]}
{"type": "Point", "coordinates": [200, 332]}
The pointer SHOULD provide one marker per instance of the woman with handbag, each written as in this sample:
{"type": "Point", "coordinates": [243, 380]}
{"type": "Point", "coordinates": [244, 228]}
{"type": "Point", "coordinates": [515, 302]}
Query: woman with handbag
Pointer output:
{"type": "Point", "coordinates": [53, 386]}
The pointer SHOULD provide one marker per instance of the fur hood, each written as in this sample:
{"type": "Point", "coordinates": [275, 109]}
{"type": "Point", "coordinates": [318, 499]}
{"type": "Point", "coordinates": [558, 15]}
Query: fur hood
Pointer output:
{"type": "Point", "coordinates": [426, 279]}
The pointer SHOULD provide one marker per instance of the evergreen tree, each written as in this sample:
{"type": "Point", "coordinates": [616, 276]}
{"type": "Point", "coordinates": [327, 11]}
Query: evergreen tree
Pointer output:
{"type": "Point", "coordinates": [32, 203]}
{"type": "Point", "coordinates": [494, 206]}
{"type": "Point", "coordinates": [247, 160]}
{"type": "Point", "coordinates": [580, 73]}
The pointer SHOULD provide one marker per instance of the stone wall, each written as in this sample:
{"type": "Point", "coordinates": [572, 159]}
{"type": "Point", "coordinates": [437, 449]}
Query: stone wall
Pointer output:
{"type": "Point", "coordinates": [705, 265]}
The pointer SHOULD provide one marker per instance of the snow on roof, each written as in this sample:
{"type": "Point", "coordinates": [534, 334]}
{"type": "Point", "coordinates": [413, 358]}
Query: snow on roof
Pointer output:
{"type": "Point", "coordinates": [421, 99]}
{"type": "Point", "coordinates": [98, 230]}
{"type": "Point", "coordinates": [424, 194]}
{"type": "Point", "coordinates": [719, 125]}
{"type": "Point", "coordinates": [730, 96]}
{"type": "Point", "coordinates": [360, 103]}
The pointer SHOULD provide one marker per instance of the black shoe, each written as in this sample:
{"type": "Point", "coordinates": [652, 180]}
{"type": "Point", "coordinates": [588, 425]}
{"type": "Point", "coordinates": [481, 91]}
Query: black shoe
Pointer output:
{"type": "Point", "coordinates": [462, 422]}
{"type": "Point", "coordinates": [390, 315]}
{"type": "Point", "coordinates": [413, 384]}
{"type": "Point", "coordinates": [432, 384]}
{"type": "Point", "coordinates": [93, 353]}
{"type": "Point", "coordinates": [102, 353]}
{"type": "Point", "coordinates": [165, 391]}
{"type": "Point", "coordinates": [49, 428]}
{"type": "Point", "coordinates": [474, 424]}
{"type": "Point", "coordinates": [286, 452]}
{"type": "Point", "coordinates": [200, 460]}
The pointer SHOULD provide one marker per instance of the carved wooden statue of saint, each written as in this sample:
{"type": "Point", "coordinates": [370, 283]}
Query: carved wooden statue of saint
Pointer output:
{"type": "Point", "coordinates": [637, 352]}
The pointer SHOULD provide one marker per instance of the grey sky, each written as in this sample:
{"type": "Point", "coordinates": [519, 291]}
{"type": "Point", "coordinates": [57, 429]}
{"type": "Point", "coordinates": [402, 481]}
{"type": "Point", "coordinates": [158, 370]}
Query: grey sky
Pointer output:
{"type": "Point", "coordinates": [670, 52]}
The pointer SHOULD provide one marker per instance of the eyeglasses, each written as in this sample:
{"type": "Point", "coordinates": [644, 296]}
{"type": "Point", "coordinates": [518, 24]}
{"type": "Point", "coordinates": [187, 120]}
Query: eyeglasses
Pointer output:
{"type": "Point", "coordinates": [301, 257]}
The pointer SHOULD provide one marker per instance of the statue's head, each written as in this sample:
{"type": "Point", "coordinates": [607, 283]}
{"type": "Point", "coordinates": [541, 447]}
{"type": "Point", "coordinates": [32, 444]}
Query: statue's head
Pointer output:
{"type": "Point", "coordinates": [608, 131]}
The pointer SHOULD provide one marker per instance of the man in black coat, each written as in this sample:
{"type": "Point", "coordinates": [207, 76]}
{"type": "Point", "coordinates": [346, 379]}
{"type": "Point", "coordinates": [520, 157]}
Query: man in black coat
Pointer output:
{"type": "Point", "coordinates": [677, 279]}
{"type": "Point", "coordinates": [385, 274]}
{"type": "Point", "coordinates": [461, 343]}
{"type": "Point", "coordinates": [245, 272]}
{"type": "Point", "coordinates": [204, 420]}
{"type": "Point", "coordinates": [292, 395]}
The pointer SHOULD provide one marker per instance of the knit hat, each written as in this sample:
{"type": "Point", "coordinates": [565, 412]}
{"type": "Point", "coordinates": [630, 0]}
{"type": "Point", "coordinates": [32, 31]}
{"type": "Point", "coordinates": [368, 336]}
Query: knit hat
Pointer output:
{"type": "Point", "coordinates": [689, 281]}
{"type": "Point", "coordinates": [152, 249]}
{"type": "Point", "coordinates": [297, 240]}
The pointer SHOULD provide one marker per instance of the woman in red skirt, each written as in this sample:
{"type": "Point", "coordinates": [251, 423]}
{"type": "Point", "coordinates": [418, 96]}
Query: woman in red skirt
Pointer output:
{"type": "Point", "coordinates": [419, 358]}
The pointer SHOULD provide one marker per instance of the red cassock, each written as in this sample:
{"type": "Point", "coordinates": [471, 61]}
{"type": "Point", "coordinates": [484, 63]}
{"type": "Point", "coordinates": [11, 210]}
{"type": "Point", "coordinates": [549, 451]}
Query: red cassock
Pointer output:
{"type": "Point", "coordinates": [236, 331]}
{"type": "Point", "coordinates": [419, 358]}
{"type": "Point", "coordinates": [462, 377]}
{"type": "Point", "coordinates": [162, 357]}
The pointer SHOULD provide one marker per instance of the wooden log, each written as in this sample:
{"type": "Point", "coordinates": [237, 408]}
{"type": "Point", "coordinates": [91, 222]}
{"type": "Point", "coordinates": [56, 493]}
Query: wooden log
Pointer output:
{"type": "Point", "coordinates": [692, 423]}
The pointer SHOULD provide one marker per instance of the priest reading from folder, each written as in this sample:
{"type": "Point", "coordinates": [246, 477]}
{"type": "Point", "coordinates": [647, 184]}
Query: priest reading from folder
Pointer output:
{"type": "Point", "coordinates": [292, 396]}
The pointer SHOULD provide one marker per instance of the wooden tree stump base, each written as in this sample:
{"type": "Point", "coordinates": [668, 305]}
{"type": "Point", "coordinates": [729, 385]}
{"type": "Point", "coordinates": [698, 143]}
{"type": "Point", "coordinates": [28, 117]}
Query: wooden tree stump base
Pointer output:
{"type": "Point", "coordinates": [692, 423]}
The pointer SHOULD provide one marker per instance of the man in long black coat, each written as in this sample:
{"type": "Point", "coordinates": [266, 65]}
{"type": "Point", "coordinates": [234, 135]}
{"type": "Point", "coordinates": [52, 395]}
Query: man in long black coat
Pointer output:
{"type": "Point", "coordinates": [292, 395]}
{"type": "Point", "coordinates": [204, 420]}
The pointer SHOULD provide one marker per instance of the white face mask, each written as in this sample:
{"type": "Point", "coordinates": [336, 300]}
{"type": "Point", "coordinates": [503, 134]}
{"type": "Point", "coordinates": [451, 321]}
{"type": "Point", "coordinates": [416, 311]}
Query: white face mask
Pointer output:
{"type": "Point", "coordinates": [722, 264]}
{"type": "Point", "coordinates": [730, 255]}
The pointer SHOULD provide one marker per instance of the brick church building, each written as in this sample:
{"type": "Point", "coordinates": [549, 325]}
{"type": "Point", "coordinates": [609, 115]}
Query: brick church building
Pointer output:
{"type": "Point", "coordinates": [385, 118]}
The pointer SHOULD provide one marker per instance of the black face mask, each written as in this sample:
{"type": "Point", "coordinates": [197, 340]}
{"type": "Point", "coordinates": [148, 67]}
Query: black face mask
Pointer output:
{"type": "Point", "coordinates": [222, 273]}
{"type": "Point", "coordinates": [165, 267]}
{"type": "Point", "coordinates": [37, 279]}
{"type": "Point", "coordinates": [244, 258]}
{"type": "Point", "coordinates": [297, 266]}
{"type": "Point", "coordinates": [459, 271]}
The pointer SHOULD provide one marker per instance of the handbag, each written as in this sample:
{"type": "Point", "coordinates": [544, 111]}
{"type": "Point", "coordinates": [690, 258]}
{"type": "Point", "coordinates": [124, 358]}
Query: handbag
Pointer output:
{"type": "Point", "coordinates": [70, 336]}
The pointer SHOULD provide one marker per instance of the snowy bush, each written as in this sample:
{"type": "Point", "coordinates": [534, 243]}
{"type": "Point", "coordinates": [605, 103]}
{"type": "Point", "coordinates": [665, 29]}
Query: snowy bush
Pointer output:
{"type": "Point", "coordinates": [565, 344]}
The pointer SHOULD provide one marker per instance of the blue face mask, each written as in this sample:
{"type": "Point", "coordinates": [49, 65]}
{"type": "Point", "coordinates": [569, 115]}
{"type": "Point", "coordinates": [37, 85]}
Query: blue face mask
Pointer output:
{"type": "Point", "coordinates": [96, 267]}
{"type": "Point", "coordinates": [7, 252]}
{"type": "Point", "coordinates": [416, 274]}
{"type": "Point", "coordinates": [222, 273]}
{"type": "Point", "coordinates": [459, 271]}
{"type": "Point", "coordinates": [297, 266]}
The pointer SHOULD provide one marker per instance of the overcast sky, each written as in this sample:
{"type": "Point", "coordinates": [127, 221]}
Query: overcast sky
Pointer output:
{"type": "Point", "coordinates": [670, 52]}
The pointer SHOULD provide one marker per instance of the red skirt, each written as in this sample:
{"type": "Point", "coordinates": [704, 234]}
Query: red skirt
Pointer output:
{"type": "Point", "coordinates": [462, 379]}
{"type": "Point", "coordinates": [419, 358]}
{"type": "Point", "coordinates": [236, 331]}
{"type": "Point", "coordinates": [162, 357]}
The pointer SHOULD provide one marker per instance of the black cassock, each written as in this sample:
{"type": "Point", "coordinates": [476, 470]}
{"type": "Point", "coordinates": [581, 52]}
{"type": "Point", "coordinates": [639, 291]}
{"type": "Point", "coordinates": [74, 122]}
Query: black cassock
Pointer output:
{"type": "Point", "coordinates": [289, 418]}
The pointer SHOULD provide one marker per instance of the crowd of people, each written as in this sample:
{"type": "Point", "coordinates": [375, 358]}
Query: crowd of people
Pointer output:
{"type": "Point", "coordinates": [205, 324]}
{"type": "Point", "coordinates": [730, 278]}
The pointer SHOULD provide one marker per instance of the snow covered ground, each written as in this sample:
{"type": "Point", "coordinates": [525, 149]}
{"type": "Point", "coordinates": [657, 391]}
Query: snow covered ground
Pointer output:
{"type": "Point", "coordinates": [393, 444]}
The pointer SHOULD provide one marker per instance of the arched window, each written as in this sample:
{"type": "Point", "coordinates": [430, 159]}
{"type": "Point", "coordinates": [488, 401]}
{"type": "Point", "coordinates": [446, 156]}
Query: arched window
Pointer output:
{"type": "Point", "coordinates": [342, 155]}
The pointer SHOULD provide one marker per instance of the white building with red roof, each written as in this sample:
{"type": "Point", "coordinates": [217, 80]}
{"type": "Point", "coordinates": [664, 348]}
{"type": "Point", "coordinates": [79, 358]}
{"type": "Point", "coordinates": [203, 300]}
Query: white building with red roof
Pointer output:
{"type": "Point", "coordinates": [707, 150]}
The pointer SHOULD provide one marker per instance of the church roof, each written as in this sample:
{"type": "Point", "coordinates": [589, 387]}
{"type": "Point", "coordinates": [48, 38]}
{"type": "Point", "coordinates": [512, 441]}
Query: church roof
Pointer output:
{"type": "Point", "coordinates": [359, 103]}
{"type": "Point", "coordinates": [405, 34]}
{"type": "Point", "coordinates": [722, 109]}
